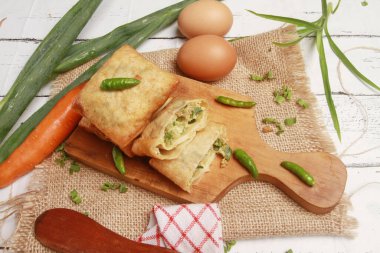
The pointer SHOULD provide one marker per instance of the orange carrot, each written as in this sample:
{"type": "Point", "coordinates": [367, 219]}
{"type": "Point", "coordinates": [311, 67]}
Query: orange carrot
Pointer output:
{"type": "Point", "coordinates": [43, 140]}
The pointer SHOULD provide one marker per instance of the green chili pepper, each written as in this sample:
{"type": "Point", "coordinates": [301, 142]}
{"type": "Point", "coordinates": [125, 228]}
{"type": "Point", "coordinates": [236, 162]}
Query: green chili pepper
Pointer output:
{"type": "Point", "coordinates": [118, 83]}
{"type": "Point", "coordinates": [300, 172]}
{"type": "Point", "coordinates": [118, 159]}
{"type": "Point", "coordinates": [235, 103]}
{"type": "Point", "coordinates": [245, 160]}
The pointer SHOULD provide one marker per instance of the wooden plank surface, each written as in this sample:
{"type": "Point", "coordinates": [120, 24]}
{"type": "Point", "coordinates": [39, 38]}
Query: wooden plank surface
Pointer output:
{"type": "Point", "coordinates": [353, 25]}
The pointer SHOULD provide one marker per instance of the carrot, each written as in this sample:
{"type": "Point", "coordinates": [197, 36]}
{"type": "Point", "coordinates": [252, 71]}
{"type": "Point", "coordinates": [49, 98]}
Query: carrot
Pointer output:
{"type": "Point", "coordinates": [43, 140]}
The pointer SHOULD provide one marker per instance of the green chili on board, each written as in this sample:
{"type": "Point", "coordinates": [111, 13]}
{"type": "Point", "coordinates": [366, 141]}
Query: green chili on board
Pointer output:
{"type": "Point", "coordinates": [300, 172]}
{"type": "Point", "coordinates": [118, 159]}
{"type": "Point", "coordinates": [247, 162]}
{"type": "Point", "coordinates": [235, 103]}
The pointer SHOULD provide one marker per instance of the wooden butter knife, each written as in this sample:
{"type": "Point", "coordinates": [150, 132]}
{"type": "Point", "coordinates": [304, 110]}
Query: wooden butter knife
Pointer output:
{"type": "Point", "coordinates": [68, 231]}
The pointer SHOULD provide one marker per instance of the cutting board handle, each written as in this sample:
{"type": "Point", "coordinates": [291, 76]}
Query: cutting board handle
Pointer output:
{"type": "Point", "coordinates": [328, 171]}
{"type": "Point", "coordinates": [68, 231]}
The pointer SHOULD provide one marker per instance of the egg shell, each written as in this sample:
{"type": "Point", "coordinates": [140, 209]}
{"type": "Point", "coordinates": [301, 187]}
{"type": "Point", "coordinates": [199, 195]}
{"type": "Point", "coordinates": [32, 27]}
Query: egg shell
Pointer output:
{"type": "Point", "coordinates": [205, 17]}
{"type": "Point", "coordinates": [206, 58]}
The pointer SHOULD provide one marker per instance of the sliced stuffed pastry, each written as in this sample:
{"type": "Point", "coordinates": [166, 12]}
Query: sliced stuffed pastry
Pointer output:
{"type": "Point", "coordinates": [121, 115]}
{"type": "Point", "coordinates": [196, 158]}
{"type": "Point", "coordinates": [173, 128]}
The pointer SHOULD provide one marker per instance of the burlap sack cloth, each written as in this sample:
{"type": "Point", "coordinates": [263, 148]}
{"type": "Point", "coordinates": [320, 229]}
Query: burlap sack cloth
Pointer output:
{"type": "Point", "coordinates": [251, 210]}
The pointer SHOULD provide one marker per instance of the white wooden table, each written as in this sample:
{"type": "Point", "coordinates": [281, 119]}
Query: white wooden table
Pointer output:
{"type": "Point", "coordinates": [28, 21]}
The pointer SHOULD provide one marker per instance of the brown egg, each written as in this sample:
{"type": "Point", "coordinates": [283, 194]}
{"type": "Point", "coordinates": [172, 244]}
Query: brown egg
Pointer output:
{"type": "Point", "coordinates": [205, 17]}
{"type": "Point", "coordinates": [206, 58]}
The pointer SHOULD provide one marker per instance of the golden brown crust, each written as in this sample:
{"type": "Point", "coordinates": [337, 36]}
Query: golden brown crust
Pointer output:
{"type": "Point", "coordinates": [86, 125]}
{"type": "Point", "coordinates": [122, 115]}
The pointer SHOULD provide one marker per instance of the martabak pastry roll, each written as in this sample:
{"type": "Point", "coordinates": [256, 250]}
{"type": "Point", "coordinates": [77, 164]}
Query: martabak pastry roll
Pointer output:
{"type": "Point", "coordinates": [172, 129]}
{"type": "Point", "coordinates": [121, 115]}
{"type": "Point", "coordinates": [195, 160]}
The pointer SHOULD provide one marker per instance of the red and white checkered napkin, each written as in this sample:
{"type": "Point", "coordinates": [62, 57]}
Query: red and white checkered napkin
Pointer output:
{"type": "Point", "coordinates": [185, 228]}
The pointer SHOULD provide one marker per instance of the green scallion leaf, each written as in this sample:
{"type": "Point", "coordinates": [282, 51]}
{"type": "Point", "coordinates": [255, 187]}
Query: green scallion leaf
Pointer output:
{"type": "Point", "coordinates": [293, 21]}
{"type": "Point", "coordinates": [270, 74]}
{"type": "Point", "coordinates": [256, 78]}
{"type": "Point", "coordinates": [229, 245]}
{"type": "Point", "coordinates": [336, 7]}
{"type": "Point", "coordinates": [279, 99]}
{"type": "Point", "coordinates": [364, 3]}
{"type": "Point", "coordinates": [290, 121]}
{"type": "Point", "coordinates": [74, 167]}
{"type": "Point", "coordinates": [347, 62]}
{"type": "Point", "coordinates": [269, 121]}
{"type": "Point", "coordinates": [302, 103]}
{"type": "Point", "coordinates": [115, 186]}
{"type": "Point", "coordinates": [326, 83]}
{"type": "Point", "coordinates": [74, 196]}
{"type": "Point", "coordinates": [287, 92]}
{"type": "Point", "coordinates": [123, 188]}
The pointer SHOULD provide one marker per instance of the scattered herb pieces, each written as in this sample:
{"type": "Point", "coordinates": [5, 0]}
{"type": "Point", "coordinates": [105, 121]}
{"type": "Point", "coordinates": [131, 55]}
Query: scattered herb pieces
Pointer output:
{"type": "Point", "coordinates": [259, 78]}
{"type": "Point", "coordinates": [364, 3]}
{"type": "Point", "coordinates": [114, 186]}
{"type": "Point", "coordinates": [279, 99]}
{"type": "Point", "coordinates": [106, 186]}
{"type": "Point", "coordinates": [256, 78]}
{"type": "Point", "coordinates": [267, 129]}
{"type": "Point", "coordinates": [199, 167]}
{"type": "Point", "coordinates": [123, 188]}
{"type": "Point", "coordinates": [270, 75]}
{"type": "Point", "coordinates": [290, 121]}
{"type": "Point", "coordinates": [74, 196]}
{"type": "Point", "coordinates": [269, 121]}
{"type": "Point", "coordinates": [289, 251]}
{"type": "Point", "coordinates": [303, 103]}
{"type": "Point", "coordinates": [287, 92]}
{"type": "Point", "coordinates": [86, 213]}
{"type": "Point", "coordinates": [61, 160]}
{"type": "Point", "coordinates": [74, 167]}
{"type": "Point", "coordinates": [282, 95]}
{"type": "Point", "coordinates": [280, 128]}
{"type": "Point", "coordinates": [229, 245]}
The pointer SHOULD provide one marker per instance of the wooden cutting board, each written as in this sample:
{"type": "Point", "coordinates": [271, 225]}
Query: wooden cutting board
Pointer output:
{"type": "Point", "coordinates": [329, 172]}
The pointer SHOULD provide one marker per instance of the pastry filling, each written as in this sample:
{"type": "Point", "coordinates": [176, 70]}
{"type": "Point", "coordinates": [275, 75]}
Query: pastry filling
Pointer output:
{"type": "Point", "coordinates": [183, 122]}
{"type": "Point", "coordinates": [219, 147]}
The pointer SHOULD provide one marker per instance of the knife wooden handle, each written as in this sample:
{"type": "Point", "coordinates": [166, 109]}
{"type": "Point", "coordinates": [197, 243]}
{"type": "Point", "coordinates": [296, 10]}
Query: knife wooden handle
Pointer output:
{"type": "Point", "coordinates": [68, 231]}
